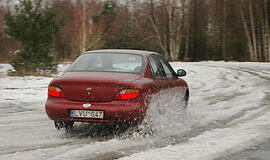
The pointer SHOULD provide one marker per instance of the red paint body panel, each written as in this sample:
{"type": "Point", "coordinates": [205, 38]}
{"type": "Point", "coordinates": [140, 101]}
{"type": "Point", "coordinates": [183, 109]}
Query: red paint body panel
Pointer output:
{"type": "Point", "coordinates": [104, 87]}
{"type": "Point", "coordinates": [116, 111]}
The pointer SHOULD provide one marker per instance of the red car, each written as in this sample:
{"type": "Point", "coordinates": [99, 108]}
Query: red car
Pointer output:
{"type": "Point", "coordinates": [111, 86]}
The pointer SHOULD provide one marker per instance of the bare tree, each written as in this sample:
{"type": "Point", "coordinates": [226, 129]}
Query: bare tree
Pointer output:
{"type": "Point", "coordinates": [253, 31]}
{"type": "Point", "coordinates": [84, 31]}
{"type": "Point", "coordinates": [224, 29]}
{"type": "Point", "coordinates": [168, 20]}
{"type": "Point", "coordinates": [161, 41]}
{"type": "Point", "coordinates": [266, 32]}
{"type": "Point", "coordinates": [247, 32]}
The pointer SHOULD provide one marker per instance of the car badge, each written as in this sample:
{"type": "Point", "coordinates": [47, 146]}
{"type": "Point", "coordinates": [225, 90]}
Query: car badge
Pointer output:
{"type": "Point", "coordinates": [88, 89]}
{"type": "Point", "coordinates": [86, 105]}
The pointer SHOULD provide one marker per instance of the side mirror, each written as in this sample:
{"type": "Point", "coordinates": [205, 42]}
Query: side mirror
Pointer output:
{"type": "Point", "coordinates": [181, 73]}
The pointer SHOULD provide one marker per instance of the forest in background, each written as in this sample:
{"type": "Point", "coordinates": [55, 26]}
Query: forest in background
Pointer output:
{"type": "Point", "coordinates": [186, 30]}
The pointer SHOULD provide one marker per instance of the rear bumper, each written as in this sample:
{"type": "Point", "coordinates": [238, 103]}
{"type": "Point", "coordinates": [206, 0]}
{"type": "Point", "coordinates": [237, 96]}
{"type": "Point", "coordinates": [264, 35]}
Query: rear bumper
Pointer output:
{"type": "Point", "coordinates": [131, 112]}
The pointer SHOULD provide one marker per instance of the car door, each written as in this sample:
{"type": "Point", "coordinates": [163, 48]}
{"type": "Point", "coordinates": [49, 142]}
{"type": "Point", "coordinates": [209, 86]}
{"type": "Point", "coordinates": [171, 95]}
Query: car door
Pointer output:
{"type": "Point", "coordinates": [164, 78]}
{"type": "Point", "coordinates": [177, 85]}
{"type": "Point", "coordinates": [159, 75]}
{"type": "Point", "coordinates": [174, 94]}
{"type": "Point", "coordinates": [169, 72]}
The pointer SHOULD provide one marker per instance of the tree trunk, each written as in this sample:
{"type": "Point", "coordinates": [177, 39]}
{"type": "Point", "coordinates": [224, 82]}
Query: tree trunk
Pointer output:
{"type": "Point", "coordinates": [158, 34]}
{"type": "Point", "coordinates": [84, 32]}
{"type": "Point", "coordinates": [171, 30]}
{"type": "Point", "coordinates": [266, 32]}
{"type": "Point", "coordinates": [186, 57]}
{"type": "Point", "coordinates": [263, 39]}
{"type": "Point", "coordinates": [187, 27]}
{"type": "Point", "coordinates": [176, 23]}
{"type": "Point", "coordinates": [195, 31]}
{"type": "Point", "coordinates": [224, 29]}
{"type": "Point", "coordinates": [251, 53]}
{"type": "Point", "coordinates": [253, 31]}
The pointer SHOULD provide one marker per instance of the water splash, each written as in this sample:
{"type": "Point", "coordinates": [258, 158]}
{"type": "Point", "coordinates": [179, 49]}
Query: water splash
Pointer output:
{"type": "Point", "coordinates": [165, 115]}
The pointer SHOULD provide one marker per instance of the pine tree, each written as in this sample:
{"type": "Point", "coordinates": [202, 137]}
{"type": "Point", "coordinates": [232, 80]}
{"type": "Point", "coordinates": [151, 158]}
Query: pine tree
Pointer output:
{"type": "Point", "coordinates": [36, 27]}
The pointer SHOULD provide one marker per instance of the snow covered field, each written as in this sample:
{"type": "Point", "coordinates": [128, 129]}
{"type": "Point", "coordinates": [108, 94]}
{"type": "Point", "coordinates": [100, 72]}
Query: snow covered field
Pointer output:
{"type": "Point", "coordinates": [228, 113]}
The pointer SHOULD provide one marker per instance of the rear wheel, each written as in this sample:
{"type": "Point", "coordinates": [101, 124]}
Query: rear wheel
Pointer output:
{"type": "Point", "coordinates": [64, 125]}
{"type": "Point", "coordinates": [186, 98]}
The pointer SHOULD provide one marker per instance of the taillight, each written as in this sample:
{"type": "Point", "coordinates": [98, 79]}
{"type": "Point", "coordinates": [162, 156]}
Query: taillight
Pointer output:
{"type": "Point", "coordinates": [128, 94]}
{"type": "Point", "coordinates": [55, 91]}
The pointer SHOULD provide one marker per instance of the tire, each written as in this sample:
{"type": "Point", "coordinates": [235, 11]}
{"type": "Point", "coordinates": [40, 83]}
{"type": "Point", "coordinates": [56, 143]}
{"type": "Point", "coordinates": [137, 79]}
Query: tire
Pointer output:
{"type": "Point", "coordinates": [64, 125]}
{"type": "Point", "coordinates": [186, 98]}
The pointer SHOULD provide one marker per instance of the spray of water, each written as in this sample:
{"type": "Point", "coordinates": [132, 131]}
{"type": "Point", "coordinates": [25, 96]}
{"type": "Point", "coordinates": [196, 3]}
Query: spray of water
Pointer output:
{"type": "Point", "coordinates": [165, 115]}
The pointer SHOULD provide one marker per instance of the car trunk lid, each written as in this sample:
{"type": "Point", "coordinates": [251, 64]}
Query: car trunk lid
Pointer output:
{"type": "Point", "coordinates": [93, 86]}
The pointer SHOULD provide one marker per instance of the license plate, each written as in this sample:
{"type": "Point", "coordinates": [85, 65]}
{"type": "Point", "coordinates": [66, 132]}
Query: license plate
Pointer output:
{"type": "Point", "coordinates": [86, 114]}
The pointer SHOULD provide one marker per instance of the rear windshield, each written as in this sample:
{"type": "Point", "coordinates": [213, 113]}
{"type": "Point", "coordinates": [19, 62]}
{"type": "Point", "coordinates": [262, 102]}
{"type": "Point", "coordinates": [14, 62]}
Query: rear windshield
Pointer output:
{"type": "Point", "coordinates": [108, 62]}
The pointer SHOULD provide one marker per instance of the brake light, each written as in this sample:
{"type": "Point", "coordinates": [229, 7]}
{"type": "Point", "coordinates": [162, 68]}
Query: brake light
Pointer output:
{"type": "Point", "coordinates": [55, 91]}
{"type": "Point", "coordinates": [128, 94]}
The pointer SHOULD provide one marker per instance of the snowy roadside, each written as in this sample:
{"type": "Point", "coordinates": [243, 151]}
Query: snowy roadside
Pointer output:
{"type": "Point", "coordinates": [4, 68]}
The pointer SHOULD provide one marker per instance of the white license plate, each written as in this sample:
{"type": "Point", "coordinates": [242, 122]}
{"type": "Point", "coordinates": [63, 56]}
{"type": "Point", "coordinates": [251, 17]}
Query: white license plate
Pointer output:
{"type": "Point", "coordinates": [86, 114]}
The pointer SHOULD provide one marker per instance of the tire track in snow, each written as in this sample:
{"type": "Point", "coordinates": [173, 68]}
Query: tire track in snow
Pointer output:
{"type": "Point", "coordinates": [117, 148]}
{"type": "Point", "coordinates": [243, 117]}
{"type": "Point", "coordinates": [174, 139]}
{"type": "Point", "coordinates": [231, 122]}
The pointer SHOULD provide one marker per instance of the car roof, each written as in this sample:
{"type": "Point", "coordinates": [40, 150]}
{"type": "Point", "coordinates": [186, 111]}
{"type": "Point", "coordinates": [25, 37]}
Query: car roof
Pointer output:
{"type": "Point", "coordinates": [140, 52]}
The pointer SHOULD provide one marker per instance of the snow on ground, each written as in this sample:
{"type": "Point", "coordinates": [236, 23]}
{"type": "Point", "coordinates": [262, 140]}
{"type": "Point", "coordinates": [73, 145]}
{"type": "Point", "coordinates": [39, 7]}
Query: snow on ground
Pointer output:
{"type": "Point", "coordinates": [4, 69]}
{"type": "Point", "coordinates": [229, 111]}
